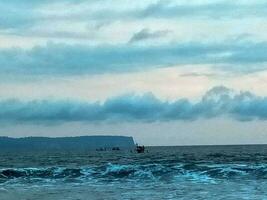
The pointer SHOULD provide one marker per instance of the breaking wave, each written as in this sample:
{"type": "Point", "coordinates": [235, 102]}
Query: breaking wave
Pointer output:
{"type": "Point", "coordinates": [145, 172]}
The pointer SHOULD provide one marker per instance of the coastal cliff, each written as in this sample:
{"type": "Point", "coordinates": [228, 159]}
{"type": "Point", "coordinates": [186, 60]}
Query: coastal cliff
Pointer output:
{"type": "Point", "coordinates": [82, 143]}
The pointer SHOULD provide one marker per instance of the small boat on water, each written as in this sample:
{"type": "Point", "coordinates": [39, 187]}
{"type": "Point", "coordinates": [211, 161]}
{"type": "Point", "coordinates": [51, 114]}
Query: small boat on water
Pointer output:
{"type": "Point", "coordinates": [101, 149]}
{"type": "Point", "coordinates": [140, 149]}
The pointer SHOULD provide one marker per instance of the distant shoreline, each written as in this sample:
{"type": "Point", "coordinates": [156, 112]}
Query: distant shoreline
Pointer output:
{"type": "Point", "coordinates": [65, 143]}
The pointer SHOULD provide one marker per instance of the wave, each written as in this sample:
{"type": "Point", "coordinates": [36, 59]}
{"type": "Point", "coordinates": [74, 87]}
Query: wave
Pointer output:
{"type": "Point", "coordinates": [53, 172]}
{"type": "Point", "coordinates": [144, 172]}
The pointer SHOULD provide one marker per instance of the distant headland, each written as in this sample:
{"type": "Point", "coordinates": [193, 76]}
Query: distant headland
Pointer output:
{"type": "Point", "coordinates": [79, 143]}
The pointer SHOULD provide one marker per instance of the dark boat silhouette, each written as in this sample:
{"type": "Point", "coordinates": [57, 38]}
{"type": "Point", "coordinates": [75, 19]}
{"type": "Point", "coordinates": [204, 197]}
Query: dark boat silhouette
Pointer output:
{"type": "Point", "coordinates": [140, 149]}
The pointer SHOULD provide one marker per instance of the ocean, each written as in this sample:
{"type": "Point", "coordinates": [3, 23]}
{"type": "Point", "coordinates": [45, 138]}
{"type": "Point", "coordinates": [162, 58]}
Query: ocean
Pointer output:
{"type": "Point", "coordinates": [191, 172]}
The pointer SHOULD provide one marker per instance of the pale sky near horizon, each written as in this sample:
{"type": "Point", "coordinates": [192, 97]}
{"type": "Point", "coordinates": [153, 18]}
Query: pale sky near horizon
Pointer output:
{"type": "Point", "coordinates": [165, 72]}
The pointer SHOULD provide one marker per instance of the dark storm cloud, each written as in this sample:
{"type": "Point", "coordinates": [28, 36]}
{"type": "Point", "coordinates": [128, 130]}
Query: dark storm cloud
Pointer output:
{"type": "Point", "coordinates": [62, 59]}
{"type": "Point", "coordinates": [219, 101]}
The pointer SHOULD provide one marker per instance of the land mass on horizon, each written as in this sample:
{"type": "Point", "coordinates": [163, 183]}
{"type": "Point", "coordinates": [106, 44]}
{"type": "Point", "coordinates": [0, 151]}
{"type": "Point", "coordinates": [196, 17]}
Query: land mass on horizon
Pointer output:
{"type": "Point", "coordinates": [82, 143]}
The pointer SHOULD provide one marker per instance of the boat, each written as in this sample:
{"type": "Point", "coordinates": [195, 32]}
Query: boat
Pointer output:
{"type": "Point", "coordinates": [115, 149]}
{"type": "Point", "coordinates": [140, 149]}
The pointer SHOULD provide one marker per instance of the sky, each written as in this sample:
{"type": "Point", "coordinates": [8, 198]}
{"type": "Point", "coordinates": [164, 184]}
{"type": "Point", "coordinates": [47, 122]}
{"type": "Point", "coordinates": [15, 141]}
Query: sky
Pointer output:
{"type": "Point", "coordinates": [165, 72]}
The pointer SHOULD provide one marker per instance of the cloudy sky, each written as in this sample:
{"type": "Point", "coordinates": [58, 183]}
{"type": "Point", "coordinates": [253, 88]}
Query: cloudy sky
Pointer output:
{"type": "Point", "coordinates": [166, 72]}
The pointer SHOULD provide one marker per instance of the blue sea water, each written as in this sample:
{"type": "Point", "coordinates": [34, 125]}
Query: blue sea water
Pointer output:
{"type": "Point", "coordinates": [197, 172]}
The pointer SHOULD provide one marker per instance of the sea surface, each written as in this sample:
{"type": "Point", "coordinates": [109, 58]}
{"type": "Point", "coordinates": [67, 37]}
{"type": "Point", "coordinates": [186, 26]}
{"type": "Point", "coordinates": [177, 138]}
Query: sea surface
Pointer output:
{"type": "Point", "coordinates": [196, 172]}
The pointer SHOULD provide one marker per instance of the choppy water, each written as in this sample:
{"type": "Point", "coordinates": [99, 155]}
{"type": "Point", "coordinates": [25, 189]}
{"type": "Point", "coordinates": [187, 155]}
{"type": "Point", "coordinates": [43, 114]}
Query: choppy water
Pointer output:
{"type": "Point", "coordinates": [204, 172]}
